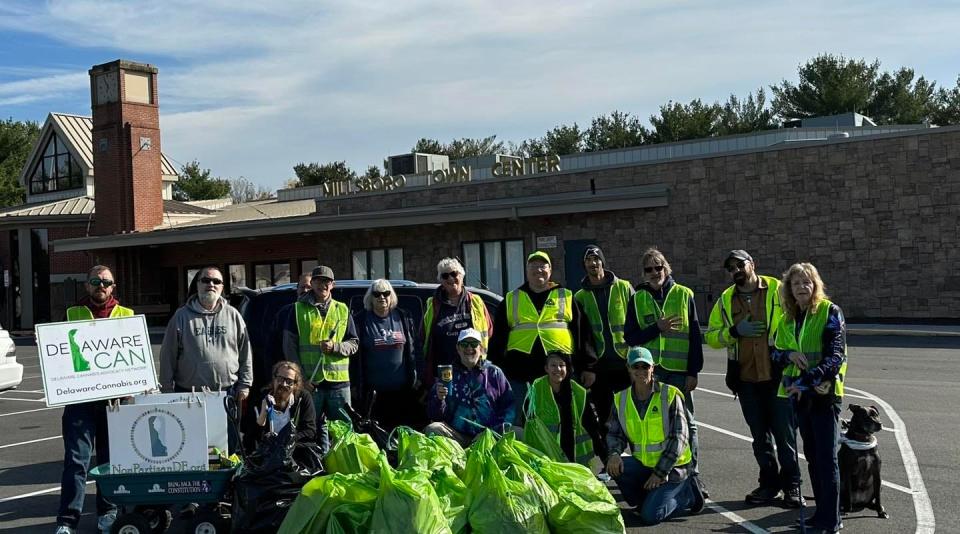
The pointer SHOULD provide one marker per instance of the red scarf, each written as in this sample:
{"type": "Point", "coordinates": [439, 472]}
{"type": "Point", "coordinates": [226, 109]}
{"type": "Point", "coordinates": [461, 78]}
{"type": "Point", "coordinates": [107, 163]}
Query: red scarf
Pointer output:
{"type": "Point", "coordinates": [100, 311]}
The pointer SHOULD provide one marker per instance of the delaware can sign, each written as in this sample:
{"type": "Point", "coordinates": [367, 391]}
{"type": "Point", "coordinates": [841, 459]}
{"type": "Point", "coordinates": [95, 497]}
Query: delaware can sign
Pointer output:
{"type": "Point", "coordinates": [83, 361]}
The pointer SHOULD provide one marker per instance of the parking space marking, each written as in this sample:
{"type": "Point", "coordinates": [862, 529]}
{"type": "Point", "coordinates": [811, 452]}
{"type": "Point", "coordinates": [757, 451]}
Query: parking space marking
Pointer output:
{"type": "Point", "coordinates": [926, 523]}
{"type": "Point", "coordinates": [735, 518]}
{"type": "Point", "coordinates": [35, 493]}
{"type": "Point", "coordinates": [30, 411]}
{"type": "Point", "coordinates": [29, 442]}
{"type": "Point", "coordinates": [24, 400]}
{"type": "Point", "coordinates": [721, 393]}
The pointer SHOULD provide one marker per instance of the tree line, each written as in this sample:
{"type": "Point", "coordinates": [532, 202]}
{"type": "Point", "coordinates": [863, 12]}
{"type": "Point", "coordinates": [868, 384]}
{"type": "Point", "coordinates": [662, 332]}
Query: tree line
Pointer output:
{"type": "Point", "coordinates": [826, 85]}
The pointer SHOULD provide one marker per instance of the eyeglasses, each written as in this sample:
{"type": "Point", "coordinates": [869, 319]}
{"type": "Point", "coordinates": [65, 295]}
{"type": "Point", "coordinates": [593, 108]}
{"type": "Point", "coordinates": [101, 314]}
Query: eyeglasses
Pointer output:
{"type": "Point", "coordinates": [469, 344]}
{"type": "Point", "coordinates": [451, 274]}
{"type": "Point", "coordinates": [286, 381]}
{"type": "Point", "coordinates": [380, 294]}
{"type": "Point", "coordinates": [658, 268]}
{"type": "Point", "coordinates": [97, 282]}
{"type": "Point", "coordinates": [734, 267]}
{"type": "Point", "coordinates": [214, 281]}
{"type": "Point", "coordinates": [640, 366]}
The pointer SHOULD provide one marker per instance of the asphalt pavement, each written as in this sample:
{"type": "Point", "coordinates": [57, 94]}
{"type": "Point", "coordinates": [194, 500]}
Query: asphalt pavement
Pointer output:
{"type": "Point", "coordinates": [912, 380]}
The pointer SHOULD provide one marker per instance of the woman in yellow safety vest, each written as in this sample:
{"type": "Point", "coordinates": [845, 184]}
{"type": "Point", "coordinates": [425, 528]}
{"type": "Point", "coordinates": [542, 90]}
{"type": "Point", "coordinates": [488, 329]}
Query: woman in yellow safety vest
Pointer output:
{"type": "Point", "coordinates": [811, 344]}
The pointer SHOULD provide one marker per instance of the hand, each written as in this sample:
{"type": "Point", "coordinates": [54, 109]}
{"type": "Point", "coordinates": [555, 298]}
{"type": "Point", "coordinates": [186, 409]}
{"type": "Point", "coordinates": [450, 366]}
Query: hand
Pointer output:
{"type": "Point", "coordinates": [799, 360]}
{"type": "Point", "coordinates": [653, 482]}
{"type": "Point", "coordinates": [242, 394]}
{"type": "Point", "coordinates": [669, 323]}
{"type": "Point", "coordinates": [615, 465]}
{"type": "Point", "coordinates": [270, 400]}
{"type": "Point", "coordinates": [748, 328]}
{"type": "Point", "coordinates": [794, 390]}
{"type": "Point", "coordinates": [441, 392]}
{"type": "Point", "coordinates": [587, 378]}
{"type": "Point", "coordinates": [691, 384]}
{"type": "Point", "coordinates": [326, 346]}
{"type": "Point", "coordinates": [823, 387]}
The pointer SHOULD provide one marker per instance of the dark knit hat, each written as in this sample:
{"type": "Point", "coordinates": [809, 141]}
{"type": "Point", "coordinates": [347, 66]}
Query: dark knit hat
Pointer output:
{"type": "Point", "coordinates": [594, 250]}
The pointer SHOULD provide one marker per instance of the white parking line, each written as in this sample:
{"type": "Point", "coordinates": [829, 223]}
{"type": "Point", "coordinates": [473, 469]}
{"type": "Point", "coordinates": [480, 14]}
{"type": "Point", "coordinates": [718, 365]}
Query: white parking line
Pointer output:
{"type": "Point", "coordinates": [30, 411]}
{"type": "Point", "coordinates": [733, 517]}
{"type": "Point", "coordinates": [29, 442]}
{"type": "Point", "coordinates": [24, 400]}
{"type": "Point", "coordinates": [35, 493]}
{"type": "Point", "coordinates": [921, 500]}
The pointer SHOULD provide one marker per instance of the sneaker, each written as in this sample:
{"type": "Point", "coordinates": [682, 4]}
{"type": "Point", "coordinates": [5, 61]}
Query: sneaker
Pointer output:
{"type": "Point", "coordinates": [809, 518]}
{"type": "Point", "coordinates": [793, 498]}
{"type": "Point", "coordinates": [698, 497]}
{"type": "Point", "coordinates": [106, 521]}
{"type": "Point", "coordinates": [762, 495]}
{"type": "Point", "coordinates": [64, 529]}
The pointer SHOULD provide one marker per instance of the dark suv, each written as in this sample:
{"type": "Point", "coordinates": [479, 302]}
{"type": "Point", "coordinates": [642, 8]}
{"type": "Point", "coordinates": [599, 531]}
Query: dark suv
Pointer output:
{"type": "Point", "coordinates": [259, 308]}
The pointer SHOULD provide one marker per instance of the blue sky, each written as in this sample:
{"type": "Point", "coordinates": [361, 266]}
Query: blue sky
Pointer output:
{"type": "Point", "coordinates": [253, 88]}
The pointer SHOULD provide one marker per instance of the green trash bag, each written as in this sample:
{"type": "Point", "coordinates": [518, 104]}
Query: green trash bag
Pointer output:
{"type": "Point", "coordinates": [406, 503]}
{"type": "Point", "coordinates": [427, 452]}
{"type": "Point", "coordinates": [585, 503]}
{"type": "Point", "coordinates": [536, 435]}
{"type": "Point", "coordinates": [352, 453]}
{"type": "Point", "coordinates": [500, 505]}
{"type": "Point", "coordinates": [333, 503]}
{"type": "Point", "coordinates": [517, 469]}
{"type": "Point", "coordinates": [452, 493]}
{"type": "Point", "coordinates": [338, 429]}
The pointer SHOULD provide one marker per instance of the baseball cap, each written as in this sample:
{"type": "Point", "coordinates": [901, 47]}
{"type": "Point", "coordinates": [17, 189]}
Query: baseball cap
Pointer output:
{"type": "Point", "coordinates": [539, 255]}
{"type": "Point", "coordinates": [737, 255]}
{"type": "Point", "coordinates": [639, 354]}
{"type": "Point", "coordinates": [322, 271]}
{"type": "Point", "coordinates": [469, 333]}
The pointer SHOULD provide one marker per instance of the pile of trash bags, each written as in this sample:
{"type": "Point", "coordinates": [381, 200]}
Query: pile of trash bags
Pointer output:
{"type": "Point", "coordinates": [435, 486]}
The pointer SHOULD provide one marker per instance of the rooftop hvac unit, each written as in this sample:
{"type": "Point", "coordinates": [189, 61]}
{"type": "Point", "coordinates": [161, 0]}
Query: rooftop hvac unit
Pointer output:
{"type": "Point", "coordinates": [417, 163]}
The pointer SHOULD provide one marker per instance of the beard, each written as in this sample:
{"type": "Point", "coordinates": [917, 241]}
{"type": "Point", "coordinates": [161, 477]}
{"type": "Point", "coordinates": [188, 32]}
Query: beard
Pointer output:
{"type": "Point", "coordinates": [99, 297]}
{"type": "Point", "coordinates": [208, 298]}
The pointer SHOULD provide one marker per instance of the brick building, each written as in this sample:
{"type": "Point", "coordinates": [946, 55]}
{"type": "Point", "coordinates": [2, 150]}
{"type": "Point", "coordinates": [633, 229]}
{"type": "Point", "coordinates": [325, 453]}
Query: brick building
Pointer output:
{"type": "Point", "coordinates": [875, 208]}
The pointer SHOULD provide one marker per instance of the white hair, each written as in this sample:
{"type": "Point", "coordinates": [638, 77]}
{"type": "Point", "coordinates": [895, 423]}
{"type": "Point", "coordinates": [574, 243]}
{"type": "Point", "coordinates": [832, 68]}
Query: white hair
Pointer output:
{"type": "Point", "coordinates": [447, 265]}
{"type": "Point", "coordinates": [380, 285]}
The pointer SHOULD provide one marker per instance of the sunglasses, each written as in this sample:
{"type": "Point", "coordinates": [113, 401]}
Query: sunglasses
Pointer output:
{"type": "Point", "coordinates": [97, 282]}
{"type": "Point", "coordinates": [734, 267]}
{"type": "Point", "coordinates": [379, 294]}
{"type": "Point", "coordinates": [451, 274]}
{"type": "Point", "coordinates": [640, 366]}
{"type": "Point", "coordinates": [658, 268]}
{"type": "Point", "coordinates": [471, 344]}
{"type": "Point", "coordinates": [214, 281]}
{"type": "Point", "coordinates": [286, 381]}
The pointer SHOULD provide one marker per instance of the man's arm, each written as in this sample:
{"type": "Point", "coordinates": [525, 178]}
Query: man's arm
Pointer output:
{"type": "Point", "coordinates": [351, 342]}
{"type": "Point", "coordinates": [676, 440]}
{"type": "Point", "coordinates": [719, 335]}
{"type": "Point", "coordinates": [169, 353]}
{"type": "Point", "coordinates": [584, 343]}
{"type": "Point", "coordinates": [291, 339]}
{"type": "Point", "coordinates": [244, 355]}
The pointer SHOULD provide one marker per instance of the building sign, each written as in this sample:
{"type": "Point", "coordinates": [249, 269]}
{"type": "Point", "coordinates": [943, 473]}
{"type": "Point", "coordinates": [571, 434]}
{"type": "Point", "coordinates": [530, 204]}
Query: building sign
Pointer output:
{"type": "Point", "coordinates": [157, 438]}
{"type": "Point", "coordinates": [212, 402]}
{"type": "Point", "coordinates": [81, 361]}
{"type": "Point", "coordinates": [454, 175]}
{"type": "Point", "coordinates": [546, 241]}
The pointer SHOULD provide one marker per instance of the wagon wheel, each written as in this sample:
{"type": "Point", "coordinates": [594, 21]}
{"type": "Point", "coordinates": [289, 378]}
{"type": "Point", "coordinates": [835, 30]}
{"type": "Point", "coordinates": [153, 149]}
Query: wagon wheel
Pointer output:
{"type": "Point", "coordinates": [131, 523]}
{"type": "Point", "coordinates": [159, 517]}
{"type": "Point", "coordinates": [208, 522]}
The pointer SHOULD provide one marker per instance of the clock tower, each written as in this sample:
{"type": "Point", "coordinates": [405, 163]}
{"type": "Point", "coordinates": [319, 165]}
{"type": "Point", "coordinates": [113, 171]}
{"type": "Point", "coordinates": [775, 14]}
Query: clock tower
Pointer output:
{"type": "Point", "coordinates": [128, 186]}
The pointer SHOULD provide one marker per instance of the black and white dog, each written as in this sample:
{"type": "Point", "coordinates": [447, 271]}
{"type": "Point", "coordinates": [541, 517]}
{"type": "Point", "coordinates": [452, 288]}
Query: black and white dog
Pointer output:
{"type": "Point", "coordinates": [859, 462]}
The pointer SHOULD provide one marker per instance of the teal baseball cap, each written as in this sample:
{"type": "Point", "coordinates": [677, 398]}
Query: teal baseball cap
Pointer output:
{"type": "Point", "coordinates": [638, 355]}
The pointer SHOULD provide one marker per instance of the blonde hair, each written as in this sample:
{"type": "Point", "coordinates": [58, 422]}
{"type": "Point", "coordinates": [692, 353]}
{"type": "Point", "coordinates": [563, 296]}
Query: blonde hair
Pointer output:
{"type": "Point", "coordinates": [293, 366]}
{"type": "Point", "coordinates": [790, 307]}
{"type": "Point", "coordinates": [654, 254]}
{"type": "Point", "coordinates": [380, 285]}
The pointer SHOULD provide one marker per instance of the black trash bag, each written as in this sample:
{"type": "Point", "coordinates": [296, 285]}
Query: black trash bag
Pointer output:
{"type": "Point", "coordinates": [269, 481]}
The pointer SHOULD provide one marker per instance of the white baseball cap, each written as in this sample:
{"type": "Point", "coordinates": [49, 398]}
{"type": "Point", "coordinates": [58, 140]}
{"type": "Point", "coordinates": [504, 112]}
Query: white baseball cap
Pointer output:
{"type": "Point", "coordinates": [469, 333]}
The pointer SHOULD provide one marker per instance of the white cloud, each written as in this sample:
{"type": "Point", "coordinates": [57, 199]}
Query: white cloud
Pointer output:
{"type": "Point", "coordinates": [251, 88]}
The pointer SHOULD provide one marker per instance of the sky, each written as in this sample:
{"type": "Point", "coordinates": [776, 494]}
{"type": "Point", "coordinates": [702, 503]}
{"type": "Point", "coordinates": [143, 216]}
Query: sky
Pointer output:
{"type": "Point", "coordinates": [253, 88]}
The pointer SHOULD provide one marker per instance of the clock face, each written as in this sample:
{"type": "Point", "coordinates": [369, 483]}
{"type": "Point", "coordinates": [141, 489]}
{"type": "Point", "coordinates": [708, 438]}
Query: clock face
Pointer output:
{"type": "Point", "coordinates": [106, 86]}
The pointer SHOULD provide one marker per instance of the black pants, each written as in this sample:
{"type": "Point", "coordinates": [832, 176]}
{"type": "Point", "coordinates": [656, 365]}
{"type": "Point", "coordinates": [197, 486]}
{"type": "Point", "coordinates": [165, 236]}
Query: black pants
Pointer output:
{"type": "Point", "coordinates": [608, 382]}
{"type": "Point", "coordinates": [771, 420]}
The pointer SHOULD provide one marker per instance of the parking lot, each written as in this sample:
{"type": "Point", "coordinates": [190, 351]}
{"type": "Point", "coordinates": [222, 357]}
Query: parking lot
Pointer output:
{"type": "Point", "coordinates": [913, 380]}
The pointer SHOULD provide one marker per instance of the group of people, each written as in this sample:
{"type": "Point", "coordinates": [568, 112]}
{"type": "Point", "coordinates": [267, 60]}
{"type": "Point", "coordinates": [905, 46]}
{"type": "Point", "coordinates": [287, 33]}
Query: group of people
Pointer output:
{"type": "Point", "coordinates": [609, 371]}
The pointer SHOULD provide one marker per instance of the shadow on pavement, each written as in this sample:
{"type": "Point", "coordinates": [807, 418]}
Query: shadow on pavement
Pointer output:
{"type": "Point", "coordinates": [47, 473]}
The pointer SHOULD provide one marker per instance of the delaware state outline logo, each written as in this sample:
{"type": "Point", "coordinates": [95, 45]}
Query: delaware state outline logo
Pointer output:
{"type": "Point", "coordinates": [158, 436]}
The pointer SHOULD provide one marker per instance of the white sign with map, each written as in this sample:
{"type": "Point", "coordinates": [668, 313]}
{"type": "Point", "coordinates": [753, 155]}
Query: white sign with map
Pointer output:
{"type": "Point", "coordinates": [154, 438]}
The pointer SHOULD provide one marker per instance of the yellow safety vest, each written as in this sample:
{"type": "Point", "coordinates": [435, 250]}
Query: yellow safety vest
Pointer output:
{"type": "Point", "coordinates": [83, 313]}
{"type": "Point", "coordinates": [544, 407]}
{"type": "Point", "coordinates": [313, 329]}
{"type": "Point", "coordinates": [478, 317]}
{"type": "Point", "coordinates": [810, 343]}
{"type": "Point", "coordinates": [550, 326]}
{"type": "Point", "coordinates": [669, 350]}
{"type": "Point", "coordinates": [721, 318]}
{"type": "Point", "coordinates": [616, 315]}
{"type": "Point", "coordinates": [648, 435]}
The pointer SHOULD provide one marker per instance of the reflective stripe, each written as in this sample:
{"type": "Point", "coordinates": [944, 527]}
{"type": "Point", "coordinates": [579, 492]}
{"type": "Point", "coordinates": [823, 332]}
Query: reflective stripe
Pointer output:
{"type": "Point", "coordinates": [561, 309]}
{"type": "Point", "coordinates": [534, 326]}
{"type": "Point", "coordinates": [516, 306]}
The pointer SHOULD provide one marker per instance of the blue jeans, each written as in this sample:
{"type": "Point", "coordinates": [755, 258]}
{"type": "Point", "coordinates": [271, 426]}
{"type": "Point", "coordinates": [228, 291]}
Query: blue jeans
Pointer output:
{"type": "Point", "coordinates": [819, 426]}
{"type": "Point", "coordinates": [658, 504]}
{"type": "Point", "coordinates": [519, 388]}
{"type": "Point", "coordinates": [329, 403]}
{"type": "Point", "coordinates": [84, 428]}
{"type": "Point", "coordinates": [679, 381]}
{"type": "Point", "coordinates": [771, 420]}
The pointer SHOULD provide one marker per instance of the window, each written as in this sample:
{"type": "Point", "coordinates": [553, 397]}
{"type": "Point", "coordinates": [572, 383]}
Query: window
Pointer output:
{"type": "Point", "coordinates": [238, 277]}
{"type": "Point", "coordinates": [306, 266]}
{"type": "Point", "coordinates": [271, 274]}
{"type": "Point", "coordinates": [494, 265]}
{"type": "Point", "coordinates": [56, 170]}
{"type": "Point", "coordinates": [378, 263]}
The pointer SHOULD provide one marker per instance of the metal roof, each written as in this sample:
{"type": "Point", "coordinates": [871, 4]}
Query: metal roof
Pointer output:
{"type": "Point", "coordinates": [86, 206]}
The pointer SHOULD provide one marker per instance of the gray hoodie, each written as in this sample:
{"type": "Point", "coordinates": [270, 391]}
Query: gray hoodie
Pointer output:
{"type": "Point", "coordinates": [206, 348]}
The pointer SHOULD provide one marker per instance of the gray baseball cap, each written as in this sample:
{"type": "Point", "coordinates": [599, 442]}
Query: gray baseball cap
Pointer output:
{"type": "Point", "coordinates": [322, 271]}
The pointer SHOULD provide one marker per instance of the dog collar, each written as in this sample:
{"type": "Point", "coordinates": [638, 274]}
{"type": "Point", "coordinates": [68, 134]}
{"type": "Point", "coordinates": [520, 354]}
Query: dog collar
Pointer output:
{"type": "Point", "coordinates": [858, 445]}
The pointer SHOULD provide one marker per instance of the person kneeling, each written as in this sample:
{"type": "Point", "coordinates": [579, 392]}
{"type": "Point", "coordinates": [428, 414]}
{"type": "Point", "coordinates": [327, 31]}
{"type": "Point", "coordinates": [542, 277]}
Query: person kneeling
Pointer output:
{"type": "Point", "coordinates": [655, 479]}
{"type": "Point", "coordinates": [478, 396]}
{"type": "Point", "coordinates": [283, 401]}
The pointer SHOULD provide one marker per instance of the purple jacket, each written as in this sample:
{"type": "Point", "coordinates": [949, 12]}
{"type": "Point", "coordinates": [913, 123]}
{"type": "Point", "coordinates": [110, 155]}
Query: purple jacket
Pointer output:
{"type": "Point", "coordinates": [479, 396]}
